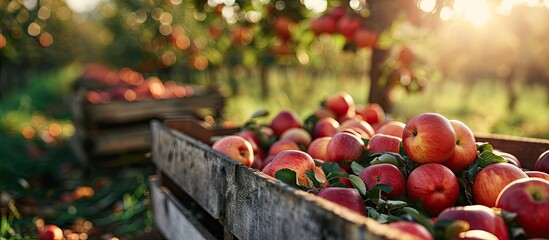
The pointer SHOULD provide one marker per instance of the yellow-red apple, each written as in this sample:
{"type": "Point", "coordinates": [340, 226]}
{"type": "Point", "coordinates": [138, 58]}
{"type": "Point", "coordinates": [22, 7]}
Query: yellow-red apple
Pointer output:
{"type": "Point", "coordinates": [297, 135]}
{"type": "Point", "coordinates": [428, 138]}
{"type": "Point", "coordinates": [344, 146]}
{"type": "Point", "coordinates": [384, 143]}
{"type": "Point", "coordinates": [298, 161]}
{"type": "Point", "coordinates": [412, 228]}
{"type": "Point", "coordinates": [491, 180]}
{"type": "Point", "coordinates": [542, 163]}
{"type": "Point", "coordinates": [393, 128]}
{"type": "Point", "coordinates": [346, 197]}
{"type": "Point", "coordinates": [318, 149]}
{"type": "Point", "coordinates": [384, 173]}
{"type": "Point", "coordinates": [476, 235]}
{"type": "Point", "coordinates": [479, 217]}
{"type": "Point", "coordinates": [50, 232]}
{"type": "Point", "coordinates": [282, 145]}
{"type": "Point", "coordinates": [529, 199]}
{"type": "Point", "coordinates": [435, 186]}
{"type": "Point", "coordinates": [465, 151]}
{"type": "Point", "coordinates": [340, 103]}
{"type": "Point", "coordinates": [325, 127]}
{"type": "Point", "coordinates": [237, 148]}
{"type": "Point", "coordinates": [372, 113]}
{"type": "Point", "coordinates": [285, 120]}
{"type": "Point", "coordinates": [537, 174]}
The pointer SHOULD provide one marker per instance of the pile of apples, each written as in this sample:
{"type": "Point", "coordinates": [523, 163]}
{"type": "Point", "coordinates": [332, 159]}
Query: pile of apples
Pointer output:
{"type": "Point", "coordinates": [428, 176]}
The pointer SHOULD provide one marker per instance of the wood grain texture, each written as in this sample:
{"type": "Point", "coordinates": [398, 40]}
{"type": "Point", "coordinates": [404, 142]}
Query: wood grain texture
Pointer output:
{"type": "Point", "coordinates": [527, 150]}
{"type": "Point", "coordinates": [250, 204]}
{"type": "Point", "coordinates": [173, 220]}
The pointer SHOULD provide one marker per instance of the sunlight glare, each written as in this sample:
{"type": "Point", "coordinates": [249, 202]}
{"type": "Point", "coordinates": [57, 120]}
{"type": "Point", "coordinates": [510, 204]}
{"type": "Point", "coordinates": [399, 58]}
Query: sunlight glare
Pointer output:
{"type": "Point", "coordinates": [317, 6]}
{"type": "Point", "coordinates": [82, 6]}
{"type": "Point", "coordinates": [475, 11]}
{"type": "Point", "coordinates": [427, 5]}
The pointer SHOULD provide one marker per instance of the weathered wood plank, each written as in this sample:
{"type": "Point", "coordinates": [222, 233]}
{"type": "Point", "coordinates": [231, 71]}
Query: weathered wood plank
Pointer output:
{"type": "Point", "coordinates": [527, 150]}
{"type": "Point", "coordinates": [172, 219]}
{"type": "Point", "coordinates": [250, 204]}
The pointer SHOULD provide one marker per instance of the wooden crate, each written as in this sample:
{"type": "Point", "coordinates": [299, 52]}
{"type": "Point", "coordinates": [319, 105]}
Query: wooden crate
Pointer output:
{"type": "Point", "coordinates": [247, 203]}
{"type": "Point", "coordinates": [120, 127]}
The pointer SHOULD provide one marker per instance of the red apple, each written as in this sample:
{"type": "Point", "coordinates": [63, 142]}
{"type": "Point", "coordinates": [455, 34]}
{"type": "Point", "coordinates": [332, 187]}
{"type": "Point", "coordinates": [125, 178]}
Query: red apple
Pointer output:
{"type": "Point", "coordinates": [429, 138]}
{"type": "Point", "coordinates": [285, 120]}
{"type": "Point", "coordinates": [512, 159]}
{"type": "Point", "coordinates": [266, 162]}
{"type": "Point", "coordinates": [346, 197]}
{"type": "Point", "coordinates": [435, 186]}
{"type": "Point", "coordinates": [340, 103]}
{"type": "Point", "coordinates": [491, 180]}
{"type": "Point", "coordinates": [50, 232]}
{"type": "Point", "coordinates": [318, 149]}
{"type": "Point", "coordinates": [282, 145]}
{"type": "Point", "coordinates": [372, 113]}
{"type": "Point", "coordinates": [351, 114]}
{"type": "Point", "coordinates": [406, 56]}
{"type": "Point", "coordinates": [542, 164]}
{"type": "Point", "coordinates": [347, 26]}
{"type": "Point", "coordinates": [476, 235]}
{"type": "Point", "coordinates": [479, 217]}
{"type": "Point", "coordinates": [393, 128]}
{"type": "Point", "coordinates": [325, 127]}
{"type": "Point", "coordinates": [297, 135]}
{"type": "Point", "coordinates": [365, 38]}
{"type": "Point", "coordinates": [237, 148]}
{"type": "Point", "coordinates": [529, 199]}
{"type": "Point", "coordinates": [465, 151]}
{"type": "Point", "coordinates": [298, 161]}
{"type": "Point", "coordinates": [344, 146]}
{"type": "Point", "coordinates": [384, 173]}
{"type": "Point", "coordinates": [537, 174]}
{"type": "Point", "coordinates": [319, 175]}
{"type": "Point", "coordinates": [384, 143]}
{"type": "Point", "coordinates": [359, 124]}
{"type": "Point", "coordinates": [324, 112]}
{"type": "Point", "coordinates": [412, 228]}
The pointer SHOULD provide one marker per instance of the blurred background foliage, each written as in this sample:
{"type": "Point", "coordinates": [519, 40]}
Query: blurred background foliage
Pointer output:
{"type": "Point", "coordinates": [484, 62]}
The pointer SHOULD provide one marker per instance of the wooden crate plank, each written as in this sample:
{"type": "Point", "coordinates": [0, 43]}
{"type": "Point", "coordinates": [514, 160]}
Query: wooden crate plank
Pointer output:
{"type": "Point", "coordinates": [172, 219]}
{"type": "Point", "coordinates": [527, 150]}
{"type": "Point", "coordinates": [252, 205]}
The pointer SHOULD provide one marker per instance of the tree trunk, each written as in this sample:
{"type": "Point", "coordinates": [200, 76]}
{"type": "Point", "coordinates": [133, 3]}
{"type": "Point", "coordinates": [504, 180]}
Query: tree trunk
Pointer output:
{"type": "Point", "coordinates": [264, 78]}
{"type": "Point", "coordinates": [379, 88]}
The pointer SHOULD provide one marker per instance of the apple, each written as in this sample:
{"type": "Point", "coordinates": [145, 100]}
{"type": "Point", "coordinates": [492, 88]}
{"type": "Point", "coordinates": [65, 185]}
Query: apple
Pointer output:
{"type": "Point", "coordinates": [384, 173]}
{"type": "Point", "coordinates": [347, 26]}
{"type": "Point", "coordinates": [529, 199]}
{"type": "Point", "coordinates": [512, 159]}
{"type": "Point", "coordinates": [283, 26]}
{"type": "Point", "coordinates": [266, 162]}
{"type": "Point", "coordinates": [324, 24]}
{"type": "Point", "coordinates": [344, 146]}
{"type": "Point", "coordinates": [365, 38]}
{"type": "Point", "coordinates": [537, 174]}
{"type": "Point", "coordinates": [50, 232]}
{"type": "Point", "coordinates": [465, 151]}
{"type": "Point", "coordinates": [237, 148]}
{"type": "Point", "coordinates": [542, 164]}
{"type": "Point", "coordinates": [347, 116]}
{"type": "Point", "coordinates": [325, 127]}
{"type": "Point", "coordinates": [476, 235]}
{"type": "Point", "coordinates": [296, 160]}
{"type": "Point", "coordinates": [479, 217]}
{"type": "Point", "coordinates": [429, 138]}
{"type": "Point", "coordinates": [384, 143]}
{"type": "Point", "coordinates": [319, 175]}
{"type": "Point", "coordinates": [346, 197]}
{"type": "Point", "coordinates": [393, 128]}
{"type": "Point", "coordinates": [491, 180]}
{"type": "Point", "coordinates": [282, 145]}
{"type": "Point", "coordinates": [318, 149]}
{"type": "Point", "coordinates": [285, 120]}
{"type": "Point", "coordinates": [434, 185]}
{"type": "Point", "coordinates": [359, 124]}
{"type": "Point", "coordinates": [412, 228]}
{"type": "Point", "coordinates": [297, 135]}
{"type": "Point", "coordinates": [340, 103]}
{"type": "Point", "coordinates": [324, 112]}
{"type": "Point", "coordinates": [406, 56]}
{"type": "Point", "coordinates": [372, 113]}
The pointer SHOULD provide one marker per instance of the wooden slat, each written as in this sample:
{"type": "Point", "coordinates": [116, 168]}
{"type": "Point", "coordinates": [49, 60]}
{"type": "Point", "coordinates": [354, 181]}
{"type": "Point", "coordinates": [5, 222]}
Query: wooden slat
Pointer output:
{"type": "Point", "coordinates": [173, 220]}
{"type": "Point", "coordinates": [250, 204]}
{"type": "Point", "coordinates": [121, 140]}
{"type": "Point", "coordinates": [527, 150]}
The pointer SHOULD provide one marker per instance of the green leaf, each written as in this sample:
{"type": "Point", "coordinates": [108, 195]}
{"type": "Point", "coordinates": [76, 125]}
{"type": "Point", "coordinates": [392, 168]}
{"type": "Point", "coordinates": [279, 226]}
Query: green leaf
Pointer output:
{"type": "Point", "coordinates": [289, 177]}
{"type": "Point", "coordinates": [330, 167]}
{"type": "Point", "coordinates": [385, 158]}
{"type": "Point", "coordinates": [373, 213]}
{"type": "Point", "coordinates": [357, 168]}
{"type": "Point", "coordinates": [338, 184]}
{"type": "Point", "coordinates": [358, 184]}
{"type": "Point", "coordinates": [309, 124]}
{"type": "Point", "coordinates": [486, 158]}
{"type": "Point", "coordinates": [420, 218]}
{"type": "Point", "coordinates": [336, 175]}
{"type": "Point", "coordinates": [384, 187]}
{"type": "Point", "coordinates": [383, 218]}
{"type": "Point", "coordinates": [394, 204]}
{"type": "Point", "coordinates": [484, 146]}
{"type": "Point", "coordinates": [312, 177]}
{"type": "Point", "coordinates": [260, 113]}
